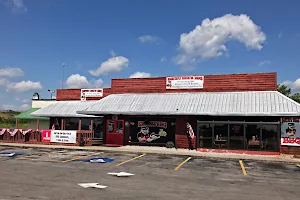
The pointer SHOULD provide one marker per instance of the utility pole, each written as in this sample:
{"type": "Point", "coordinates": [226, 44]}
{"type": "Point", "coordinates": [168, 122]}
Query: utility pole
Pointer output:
{"type": "Point", "coordinates": [63, 71]}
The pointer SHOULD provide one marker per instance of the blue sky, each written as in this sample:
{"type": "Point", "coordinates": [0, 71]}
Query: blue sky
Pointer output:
{"type": "Point", "coordinates": [103, 39]}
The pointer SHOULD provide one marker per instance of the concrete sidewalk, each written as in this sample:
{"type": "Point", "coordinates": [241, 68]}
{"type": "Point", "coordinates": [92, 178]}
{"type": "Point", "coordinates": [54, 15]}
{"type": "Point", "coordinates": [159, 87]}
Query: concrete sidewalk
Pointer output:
{"type": "Point", "coordinates": [162, 150]}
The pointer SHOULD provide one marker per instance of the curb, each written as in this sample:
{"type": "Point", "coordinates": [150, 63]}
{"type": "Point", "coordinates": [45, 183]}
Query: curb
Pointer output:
{"type": "Point", "coordinates": [222, 156]}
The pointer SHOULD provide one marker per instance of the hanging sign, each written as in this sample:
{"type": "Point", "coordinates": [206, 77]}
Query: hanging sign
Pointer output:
{"type": "Point", "coordinates": [290, 131]}
{"type": "Point", "coordinates": [91, 94]}
{"type": "Point", "coordinates": [185, 82]}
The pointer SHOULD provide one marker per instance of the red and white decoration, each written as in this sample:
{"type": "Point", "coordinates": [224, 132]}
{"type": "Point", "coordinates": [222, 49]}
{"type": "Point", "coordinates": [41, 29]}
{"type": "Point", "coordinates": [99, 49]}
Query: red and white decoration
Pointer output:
{"type": "Point", "coordinates": [190, 130]}
{"type": "Point", "coordinates": [24, 132]}
{"type": "Point", "coordinates": [2, 131]}
{"type": "Point", "coordinates": [91, 94]}
{"type": "Point", "coordinates": [185, 82]}
{"type": "Point", "coordinates": [13, 132]}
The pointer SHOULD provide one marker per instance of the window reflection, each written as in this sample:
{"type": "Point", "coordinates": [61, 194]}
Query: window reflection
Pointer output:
{"type": "Point", "coordinates": [269, 137]}
{"type": "Point", "coordinates": [206, 135]}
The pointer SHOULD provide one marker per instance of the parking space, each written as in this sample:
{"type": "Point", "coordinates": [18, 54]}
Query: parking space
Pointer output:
{"type": "Point", "coordinates": [161, 175]}
{"type": "Point", "coordinates": [209, 167]}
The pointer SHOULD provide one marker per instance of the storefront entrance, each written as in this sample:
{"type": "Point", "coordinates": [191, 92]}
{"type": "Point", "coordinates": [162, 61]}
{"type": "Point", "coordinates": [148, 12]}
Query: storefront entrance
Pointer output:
{"type": "Point", "coordinates": [115, 132]}
{"type": "Point", "coordinates": [261, 136]}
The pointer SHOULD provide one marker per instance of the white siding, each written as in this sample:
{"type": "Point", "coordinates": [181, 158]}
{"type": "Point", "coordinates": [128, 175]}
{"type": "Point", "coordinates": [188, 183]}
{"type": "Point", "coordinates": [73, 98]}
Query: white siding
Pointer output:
{"type": "Point", "coordinates": [44, 124]}
{"type": "Point", "coordinates": [41, 103]}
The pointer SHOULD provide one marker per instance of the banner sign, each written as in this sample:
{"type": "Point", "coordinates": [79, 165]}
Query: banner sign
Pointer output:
{"type": "Point", "coordinates": [63, 136]}
{"type": "Point", "coordinates": [290, 131]}
{"type": "Point", "coordinates": [60, 136]}
{"type": "Point", "coordinates": [46, 134]}
{"type": "Point", "coordinates": [152, 131]}
{"type": "Point", "coordinates": [91, 94]}
{"type": "Point", "coordinates": [185, 82]}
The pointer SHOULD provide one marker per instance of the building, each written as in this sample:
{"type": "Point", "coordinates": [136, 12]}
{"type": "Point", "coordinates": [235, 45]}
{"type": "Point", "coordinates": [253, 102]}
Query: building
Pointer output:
{"type": "Point", "coordinates": [35, 122]}
{"type": "Point", "coordinates": [232, 111]}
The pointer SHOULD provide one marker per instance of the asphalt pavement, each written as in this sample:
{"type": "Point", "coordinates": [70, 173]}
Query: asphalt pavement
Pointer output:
{"type": "Point", "coordinates": [55, 174]}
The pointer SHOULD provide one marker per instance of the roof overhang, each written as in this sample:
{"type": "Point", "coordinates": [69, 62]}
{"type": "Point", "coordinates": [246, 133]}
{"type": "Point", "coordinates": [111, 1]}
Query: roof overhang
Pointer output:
{"type": "Point", "coordinates": [256, 103]}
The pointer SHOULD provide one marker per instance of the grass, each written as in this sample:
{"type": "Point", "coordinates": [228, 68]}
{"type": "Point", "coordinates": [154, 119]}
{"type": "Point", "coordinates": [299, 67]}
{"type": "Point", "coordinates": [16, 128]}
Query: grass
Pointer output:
{"type": "Point", "coordinates": [7, 120]}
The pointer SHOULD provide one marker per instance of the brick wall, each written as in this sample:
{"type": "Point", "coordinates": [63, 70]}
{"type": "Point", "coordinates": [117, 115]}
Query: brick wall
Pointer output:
{"type": "Point", "coordinates": [181, 138]}
{"type": "Point", "coordinates": [290, 150]}
{"type": "Point", "coordinates": [74, 94]}
{"type": "Point", "coordinates": [212, 83]}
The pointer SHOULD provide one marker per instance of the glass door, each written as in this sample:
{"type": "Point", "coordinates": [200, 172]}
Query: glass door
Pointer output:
{"type": "Point", "coordinates": [237, 136]}
{"type": "Point", "coordinates": [206, 135]}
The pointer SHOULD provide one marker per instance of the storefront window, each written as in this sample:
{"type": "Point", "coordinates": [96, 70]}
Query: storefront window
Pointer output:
{"type": "Point", "coordinates": [85, 123]}
{"type": "Point", "coordinates": [55, 123]}
{"type": "Point", "coordinates": [270, 137]}
{"type": "Point", "coordinates": [99, 128]}
{"type": "Point", "coordinates": [236, 136]}
{"type": "Point", "coordinates": [71, 123]}
{"type": "Point", "coordinates": [206, 135]}
{"type": "Point", "coordinates": [253, 137]}
{"type": "Point", "coordinates": [220, 135]}
{"type": "Point", "coordinates": [110, 126]}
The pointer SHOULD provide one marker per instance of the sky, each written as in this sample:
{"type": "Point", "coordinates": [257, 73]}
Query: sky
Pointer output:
{"type": "Point", "coordinates": [50, 44]}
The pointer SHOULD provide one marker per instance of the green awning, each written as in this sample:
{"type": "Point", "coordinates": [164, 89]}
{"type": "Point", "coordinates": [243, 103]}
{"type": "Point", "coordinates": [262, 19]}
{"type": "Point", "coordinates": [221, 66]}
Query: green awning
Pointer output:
{"type": "Point", "coordinates": [26, 115]}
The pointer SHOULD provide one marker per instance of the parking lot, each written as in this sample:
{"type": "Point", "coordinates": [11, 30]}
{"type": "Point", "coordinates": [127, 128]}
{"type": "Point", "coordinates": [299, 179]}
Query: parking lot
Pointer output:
{"type": "Point", "coordinates": [55, 174]}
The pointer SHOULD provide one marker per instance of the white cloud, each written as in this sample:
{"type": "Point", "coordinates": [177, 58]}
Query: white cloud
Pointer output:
{"type": "Point", "coordinates": [11, 72]}
{"type": "Point", "coordinates": [163, 59]}
{"type": "Point", "coordinates": [264, 62]}
{"type": "Point", "coordinates": [17, 6]}
{"type": "Point", "coordinates": [24, 107]}
{"type": "Point", "coordinates": [149, 39]}
{"type": "Point", "coordinates": [3, 81]}
{"type": "Point", "coordinates": [113, 53]}
{"type": "Point", "coordinates": [25, 101]}
{"type": "Point", "coordinates": [140, 75]}
{"type": "Point", "coordinates": [78, 81]}
{"type": "Point", "coordinates": [294, 85]}
{"type": "Point", "coordinates": [287, 83]}
{"type": "Point", "coordinates": [114, 64]}
{"type": "Point", "coordinates": [24, 86]}
{"type": "Point", "coordinates": [280, 35]}
{"type": "Point", "coordinates": [7, 107]}
{"type": "Point", "coordinates": [209, 39]}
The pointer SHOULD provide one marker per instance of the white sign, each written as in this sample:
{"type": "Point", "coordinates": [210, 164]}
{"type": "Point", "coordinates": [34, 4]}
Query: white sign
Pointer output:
{"type": "Point", "coordinates": [185, 82]}
{"type": "Point", "coordinates": [63, 136]}
{"type": "Point", "coordinates": [92, 94]}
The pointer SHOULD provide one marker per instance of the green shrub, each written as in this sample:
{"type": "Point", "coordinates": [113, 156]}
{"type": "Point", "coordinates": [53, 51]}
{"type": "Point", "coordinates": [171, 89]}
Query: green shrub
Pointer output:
{"type": "Point", "coordinates": [170, 144]}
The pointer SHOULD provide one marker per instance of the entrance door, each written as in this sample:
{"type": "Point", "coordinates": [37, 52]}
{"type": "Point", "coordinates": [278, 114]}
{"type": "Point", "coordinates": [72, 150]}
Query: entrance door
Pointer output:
{"type": "Point", "coordinates": [115, 132]}
{"type": "Point", "coordinates": [206, 135]}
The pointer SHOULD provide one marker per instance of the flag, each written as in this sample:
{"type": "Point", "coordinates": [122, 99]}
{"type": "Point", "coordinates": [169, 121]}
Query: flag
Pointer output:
{"type": "Point", "coordinates": [24, 132]}
{"type": "Point", "coordinates": [2, 131]}
{"type": "Point", "coordinates": [190, 130]}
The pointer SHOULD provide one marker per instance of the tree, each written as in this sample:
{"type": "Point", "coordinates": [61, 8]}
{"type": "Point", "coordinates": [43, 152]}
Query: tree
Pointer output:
{"type": "Point", "coordinates": [285, 90]}
{"type": "Point", "coordinates": [296, 97]}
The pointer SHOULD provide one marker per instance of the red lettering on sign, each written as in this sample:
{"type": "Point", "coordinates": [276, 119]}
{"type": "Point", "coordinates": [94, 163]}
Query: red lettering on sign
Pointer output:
{"type": "Point", "coordinates": [291, 140]}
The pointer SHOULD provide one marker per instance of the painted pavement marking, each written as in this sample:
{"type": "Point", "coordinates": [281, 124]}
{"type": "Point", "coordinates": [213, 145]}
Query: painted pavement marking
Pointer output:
{"type": "Point", "coordinates": [126, 161]}
{"type": "Point", "coordinates": [181, 164]}
{"type": "Point", "coordinates": [243, 167]}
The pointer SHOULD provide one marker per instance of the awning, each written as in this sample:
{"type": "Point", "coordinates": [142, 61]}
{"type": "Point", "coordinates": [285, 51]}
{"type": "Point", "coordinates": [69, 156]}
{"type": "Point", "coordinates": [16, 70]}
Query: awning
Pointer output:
{"type": "Point", "coordinates": [64, 109]}
{"type": "Point", "coordinates": [26, 115]}
{"type": "Point", "coordinates": [256, 103]}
